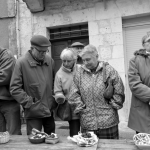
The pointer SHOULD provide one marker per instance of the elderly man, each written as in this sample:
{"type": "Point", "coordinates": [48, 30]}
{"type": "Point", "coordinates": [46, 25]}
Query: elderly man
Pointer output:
{"type": "Point", "coordinates": [97, 114]}
{"type": "Point", "coordinates": [32, 85]}
{"type": "Point", "coordinates": [139, 82]}
{"type": "Point", "coordinates": [78, 47]}
{"type": "Point", "coordinates": [9, 107]}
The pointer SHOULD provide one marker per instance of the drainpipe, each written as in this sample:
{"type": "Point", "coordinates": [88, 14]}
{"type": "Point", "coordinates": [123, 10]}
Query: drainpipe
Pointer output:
{"type": "Point", "coordinates": [105, 5]}
{"type": "Point", "coordinates": [18, 29]}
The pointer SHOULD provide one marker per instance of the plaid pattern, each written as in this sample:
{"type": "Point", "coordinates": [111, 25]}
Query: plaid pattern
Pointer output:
{"type": "Point", "coordinates": [109, 133]}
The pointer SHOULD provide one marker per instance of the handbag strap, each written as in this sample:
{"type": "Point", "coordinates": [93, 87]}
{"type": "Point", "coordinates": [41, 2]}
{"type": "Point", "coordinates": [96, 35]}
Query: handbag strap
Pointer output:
{"type": "Point", "coordinates": [104, 71]}
{"type": "Point", "coordinates": [107, 81]}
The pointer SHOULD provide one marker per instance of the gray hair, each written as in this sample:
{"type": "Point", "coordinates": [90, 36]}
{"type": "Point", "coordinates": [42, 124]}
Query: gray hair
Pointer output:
{"type": "Point", "coordinates": [68, 53]}
{"type": "Point", "coordinates": [90, 49]}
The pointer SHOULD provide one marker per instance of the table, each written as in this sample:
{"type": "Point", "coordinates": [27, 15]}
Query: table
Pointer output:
{"type": "Point", "coordinates": [116, 145]}
{"type": "Point", "coordinates": [21, 142]}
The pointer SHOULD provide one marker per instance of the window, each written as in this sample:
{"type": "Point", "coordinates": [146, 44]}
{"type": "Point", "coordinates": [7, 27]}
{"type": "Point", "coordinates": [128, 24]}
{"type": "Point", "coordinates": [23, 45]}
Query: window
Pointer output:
{"type": "Point", "coordinates": [69, 32]}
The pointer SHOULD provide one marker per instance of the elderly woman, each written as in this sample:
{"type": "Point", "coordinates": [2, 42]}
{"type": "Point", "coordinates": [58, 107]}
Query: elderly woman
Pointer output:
{"type": "Point", "coordinates": [63, 81]}
{"type": "Point", "coordinates": [139, 82]}
{"type": "Point", "coordinates": [86, 96]}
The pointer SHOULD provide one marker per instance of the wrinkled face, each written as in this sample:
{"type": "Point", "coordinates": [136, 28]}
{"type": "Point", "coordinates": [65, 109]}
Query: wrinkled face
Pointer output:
{"type": "Point", "coordinates": [39, 53]}
{"type": "Point", "coordinates": [68, 62]}
{"type": "Point", "coordinates": [90, 60]}
{"type": "Point", "coordinates": [146, 45]}
{"type": "Point", "coordinates": [78, 50]}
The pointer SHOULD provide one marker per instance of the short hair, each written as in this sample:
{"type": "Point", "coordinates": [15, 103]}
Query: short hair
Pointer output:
{"type": "Point", "coordinates": [145, 38]}
{"type": "Point", "coordinates": [90, 49]}
{"type": "Point", "coordinates": [68, 53]}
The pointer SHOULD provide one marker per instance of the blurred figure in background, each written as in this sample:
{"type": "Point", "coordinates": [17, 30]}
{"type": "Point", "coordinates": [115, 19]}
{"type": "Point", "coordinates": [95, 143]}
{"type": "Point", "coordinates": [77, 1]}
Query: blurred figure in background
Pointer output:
{"type": "Point", "coordinates": [78, 47]}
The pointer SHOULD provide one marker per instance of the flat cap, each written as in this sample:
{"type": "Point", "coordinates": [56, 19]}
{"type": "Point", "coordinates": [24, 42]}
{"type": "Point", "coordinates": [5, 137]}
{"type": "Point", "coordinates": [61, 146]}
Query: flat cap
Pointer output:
{"type": "Point", "coordinates": [76, 44]}
{"type": "Point", "coordinates": [40, 40]}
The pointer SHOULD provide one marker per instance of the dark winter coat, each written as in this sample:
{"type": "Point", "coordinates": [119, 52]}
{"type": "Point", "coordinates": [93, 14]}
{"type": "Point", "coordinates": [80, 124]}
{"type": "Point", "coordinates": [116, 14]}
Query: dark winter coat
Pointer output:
{"type": "Point", "coordinates": [139, 82]}
{"type": "Point", "coordinates": [7, 62]}
{"type": "Point", "coordinates": [32, 85]}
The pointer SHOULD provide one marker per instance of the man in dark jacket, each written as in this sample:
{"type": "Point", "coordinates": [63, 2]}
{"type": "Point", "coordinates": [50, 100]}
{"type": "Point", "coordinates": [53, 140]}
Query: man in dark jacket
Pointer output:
{"type": "Point", "coordinates": [78, 47]}
{"type": "Point", "coordinates": [9, 108]}
{"type": "Point", "coordinates": [32, 85]}
{"type": "Point", "coordinates": [139, 82]}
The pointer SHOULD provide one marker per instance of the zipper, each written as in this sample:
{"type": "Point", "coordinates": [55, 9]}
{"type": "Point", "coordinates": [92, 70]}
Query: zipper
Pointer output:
{"type": "Point", "coordinates": [93, 81]}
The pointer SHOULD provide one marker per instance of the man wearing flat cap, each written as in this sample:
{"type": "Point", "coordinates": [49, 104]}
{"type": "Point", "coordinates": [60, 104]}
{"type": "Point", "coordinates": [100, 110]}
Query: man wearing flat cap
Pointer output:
{"type": "Point", "coordinates": [78, 47]}
{"type": "Point", "coordinates": [139, 82]}
{"type": "Point", "coordinates": [32, 85]}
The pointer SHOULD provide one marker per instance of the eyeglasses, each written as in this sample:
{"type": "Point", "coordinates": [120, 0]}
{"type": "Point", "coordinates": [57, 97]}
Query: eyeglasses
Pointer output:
{"type": "Point", "coordinates": [42, 52]}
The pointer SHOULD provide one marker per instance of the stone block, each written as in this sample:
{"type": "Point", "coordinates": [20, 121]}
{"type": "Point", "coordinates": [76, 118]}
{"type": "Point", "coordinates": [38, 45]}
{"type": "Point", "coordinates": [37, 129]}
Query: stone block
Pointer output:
{"type": "Point", "coordinates": [113, 39]}
{"type": "Point", "coordinates": [116, 24]}
{"type": "Point", "coordinates": [122, 75]}
{"type": "Point", "coordinates": [83, 15]}
{"type": "Point", "coordinates": [104, 26]}
{"type": "Point", "coordinates": [25, 26]}
{"type": "Point", "coordinates": [24, 11]}
{"type": "Point", "coordinates": [117, 51]}
{"type": "Point", "coordinates": [125, 7]}
{"type": "Point", "coordinates": [110, 12]}
{"type": "Point", "coordinates": [67, 8]}
{"type": "Point", "coordinates": [40, 31]}
{"type": "Point", "coordinates": [118, 64]}
{"type": "Point", "coordinates": [96, 40]}
{"type": "Point", "coordinates": [104, 52]}
{"type": "Point", "coordinates": [141, 6]}
{"type": "Point", "coordinates": [93, 28]}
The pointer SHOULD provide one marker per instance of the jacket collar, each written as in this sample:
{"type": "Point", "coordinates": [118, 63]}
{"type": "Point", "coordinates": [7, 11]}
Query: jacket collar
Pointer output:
{"type": "Point", "coordinates": [33, 62]}
{"type": "Point", "coordinates": [2, 50]}
{"type": "Point", "coordinates": [99, 67]}
{"type": "Point", "coordinates": [141, 52]}
{"type": "Point", "coordinates": [69, 70]}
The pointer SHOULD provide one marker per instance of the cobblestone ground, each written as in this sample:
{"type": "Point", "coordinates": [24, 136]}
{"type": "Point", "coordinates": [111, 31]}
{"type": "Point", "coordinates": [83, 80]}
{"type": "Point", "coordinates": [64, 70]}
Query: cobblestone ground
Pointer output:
{"type": "Point", "coordinates": [62, 129]}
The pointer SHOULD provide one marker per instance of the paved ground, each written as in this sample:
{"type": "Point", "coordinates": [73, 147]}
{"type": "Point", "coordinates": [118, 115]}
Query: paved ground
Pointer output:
{"type": "Point", "coordinates": [62, 129]}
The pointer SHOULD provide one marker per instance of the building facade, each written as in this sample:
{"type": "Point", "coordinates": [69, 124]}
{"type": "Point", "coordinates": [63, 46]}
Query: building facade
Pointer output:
{"type": "Point", "coordinates": [115, 27]}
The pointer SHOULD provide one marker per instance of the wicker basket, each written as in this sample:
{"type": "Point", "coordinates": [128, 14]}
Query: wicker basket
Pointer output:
{"type": "Point", "coordinates": [4, 137]}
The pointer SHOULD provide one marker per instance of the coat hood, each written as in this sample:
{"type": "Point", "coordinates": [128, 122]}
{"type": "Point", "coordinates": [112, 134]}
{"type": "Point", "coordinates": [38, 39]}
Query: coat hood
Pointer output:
{"type": "Point", "coordinates": [2, 50]}
{"type": "Point", "coordinates": [141, 52]}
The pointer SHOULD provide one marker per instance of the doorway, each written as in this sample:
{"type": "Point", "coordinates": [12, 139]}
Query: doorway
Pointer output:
{"type": "Point", "coordinates": [63, 37]}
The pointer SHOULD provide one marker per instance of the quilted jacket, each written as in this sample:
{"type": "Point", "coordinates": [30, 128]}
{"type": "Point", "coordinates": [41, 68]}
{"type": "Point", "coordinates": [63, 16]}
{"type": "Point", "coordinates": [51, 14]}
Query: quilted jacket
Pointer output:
{"type": "Point", "coordinates": [86, 97]}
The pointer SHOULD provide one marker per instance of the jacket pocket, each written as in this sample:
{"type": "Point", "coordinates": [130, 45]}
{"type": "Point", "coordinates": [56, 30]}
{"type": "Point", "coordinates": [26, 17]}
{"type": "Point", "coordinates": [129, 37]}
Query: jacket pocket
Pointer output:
{"type": "Point", "coordinates": [137, 103]}
{"type": "Point", "coordinates": [35, 90]}
{"type": "Point", "coordinates": [35, 111]}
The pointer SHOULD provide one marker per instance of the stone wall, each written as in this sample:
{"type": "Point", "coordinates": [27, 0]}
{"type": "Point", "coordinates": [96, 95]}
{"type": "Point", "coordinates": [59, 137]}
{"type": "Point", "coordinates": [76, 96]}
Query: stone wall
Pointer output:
{"type": "Point", "coordinates": [105, 26]}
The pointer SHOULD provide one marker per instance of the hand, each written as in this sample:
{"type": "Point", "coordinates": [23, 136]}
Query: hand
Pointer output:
{"type": "Point", "coordinates": [35, 100]}
{"type": "Point", "coordinates": [60, 100]}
